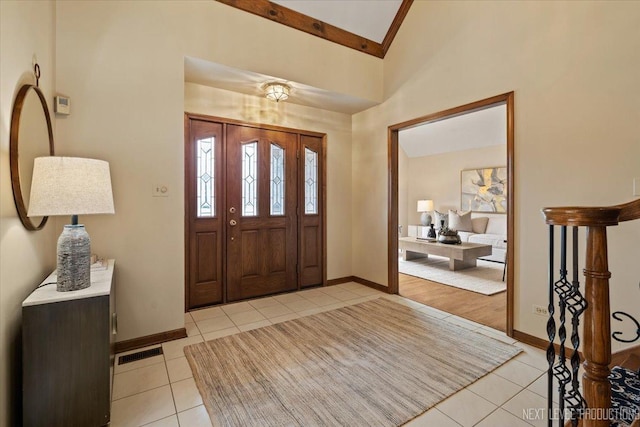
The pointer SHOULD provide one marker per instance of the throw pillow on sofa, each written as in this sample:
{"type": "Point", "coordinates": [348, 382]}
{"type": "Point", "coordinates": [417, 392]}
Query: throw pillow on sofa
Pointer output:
{"type": "Point", "coordinates": [439, 218]}
{"type": "Point", "coordinates": [460, 221]}
{"type": "Point", "coordinates": [479, 224]}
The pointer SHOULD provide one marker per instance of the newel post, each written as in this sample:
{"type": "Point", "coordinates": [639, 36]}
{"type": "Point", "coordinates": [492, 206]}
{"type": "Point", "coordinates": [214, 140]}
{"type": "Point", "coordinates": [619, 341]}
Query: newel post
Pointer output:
{"type": "Point", "coordinates": [597, 330]}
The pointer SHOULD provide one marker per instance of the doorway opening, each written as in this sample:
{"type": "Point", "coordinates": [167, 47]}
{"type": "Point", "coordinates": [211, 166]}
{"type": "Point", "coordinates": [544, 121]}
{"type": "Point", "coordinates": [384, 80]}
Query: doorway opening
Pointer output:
{"type": "Point", "coordinates": [492, 206]}
{"type": "Point", "coordinates": [254, 210]}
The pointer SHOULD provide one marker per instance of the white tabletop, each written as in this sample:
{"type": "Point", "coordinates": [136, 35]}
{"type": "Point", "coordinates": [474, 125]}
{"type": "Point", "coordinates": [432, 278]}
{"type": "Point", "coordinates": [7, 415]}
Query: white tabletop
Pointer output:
{"type": "Point", "coordinates": [100, 285]}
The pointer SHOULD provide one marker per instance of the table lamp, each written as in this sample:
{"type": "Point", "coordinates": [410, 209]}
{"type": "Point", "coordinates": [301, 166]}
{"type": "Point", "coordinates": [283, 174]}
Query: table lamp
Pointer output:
{"type": "Point", "coordinates": [425, 206]}
{"type": "Point", "coordinates": [71, 186]}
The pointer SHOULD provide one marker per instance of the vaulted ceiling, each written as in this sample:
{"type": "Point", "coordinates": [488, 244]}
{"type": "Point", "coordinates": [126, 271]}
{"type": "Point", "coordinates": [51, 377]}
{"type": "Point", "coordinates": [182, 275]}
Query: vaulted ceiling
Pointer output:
{"type": "Point", "coordinates": [365, 25]}
{"type": "Point", "coordinates": [368, 26]}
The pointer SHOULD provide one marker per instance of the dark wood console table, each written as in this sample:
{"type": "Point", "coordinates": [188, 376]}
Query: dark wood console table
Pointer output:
{"type": "Point", "coordinates": [67, 353]}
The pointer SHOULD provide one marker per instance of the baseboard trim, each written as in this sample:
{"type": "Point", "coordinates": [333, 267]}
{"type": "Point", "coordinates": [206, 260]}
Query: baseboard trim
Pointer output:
{"type": "Point", "coordinates": [616, 358]}
{"type": "Point", "coordinates": [540, 343]}
{"type": "Point", "coordinates": [369, 283]}
{"type": "Point", "coordinates": [530, 340]}
{"type": "Point", "coordinates": [340, 280]}
{"type": "Point", "coordinates": [148, 340]}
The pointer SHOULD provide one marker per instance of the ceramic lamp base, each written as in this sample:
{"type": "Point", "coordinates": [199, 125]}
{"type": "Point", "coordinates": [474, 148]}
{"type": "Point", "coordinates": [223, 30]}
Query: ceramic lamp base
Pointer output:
{"type": "Point", "coordinates": [74, 259]}
{"type": "Point", "coordinates": [425, 219]}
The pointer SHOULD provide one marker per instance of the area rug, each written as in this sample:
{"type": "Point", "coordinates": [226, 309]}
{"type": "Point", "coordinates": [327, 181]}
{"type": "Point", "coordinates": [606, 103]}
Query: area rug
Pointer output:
{"type": "Point", "coordinates": [375, 363]}
{"type": "Point", "coordinates": [485, 279]}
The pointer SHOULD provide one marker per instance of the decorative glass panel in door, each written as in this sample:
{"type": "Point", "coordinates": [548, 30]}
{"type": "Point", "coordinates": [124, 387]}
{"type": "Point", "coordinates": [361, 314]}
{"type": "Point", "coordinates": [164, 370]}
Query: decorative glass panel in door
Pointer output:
{"type": "Point", "coordinates": [277, 180]}
{"type": "Point", "coordinates": [250, 179]}
{"type": "Point", "coordinates": [205, 173]}
{"type": "Point", "coordinates": [310, 181]}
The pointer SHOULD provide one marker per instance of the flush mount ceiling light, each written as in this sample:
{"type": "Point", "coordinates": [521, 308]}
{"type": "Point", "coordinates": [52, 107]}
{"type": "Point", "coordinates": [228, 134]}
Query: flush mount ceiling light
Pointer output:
{"type": "Point", "coordinates": [276, 91]}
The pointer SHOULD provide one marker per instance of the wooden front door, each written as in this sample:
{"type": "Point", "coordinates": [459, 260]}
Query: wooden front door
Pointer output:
{"type": "Point", "coordinates": [261, 217]}
{"type": "Point", "coordinates": [254, 211]}
{"type": "Point", "coordinates": [204, 214]}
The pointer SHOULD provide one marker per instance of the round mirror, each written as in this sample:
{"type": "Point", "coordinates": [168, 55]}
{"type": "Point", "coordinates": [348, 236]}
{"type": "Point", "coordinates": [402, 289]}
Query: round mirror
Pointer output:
{"type": "Point", "coordinates": [31, 136]}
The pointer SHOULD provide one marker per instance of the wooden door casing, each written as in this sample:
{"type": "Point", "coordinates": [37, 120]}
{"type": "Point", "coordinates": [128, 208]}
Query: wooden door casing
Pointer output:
{"type": "Point", "coordinates": [204, 267]}
{"type": "Point", "coordinates": [300, 236]}
{"type": "Point", "coordinates": [262, 249]}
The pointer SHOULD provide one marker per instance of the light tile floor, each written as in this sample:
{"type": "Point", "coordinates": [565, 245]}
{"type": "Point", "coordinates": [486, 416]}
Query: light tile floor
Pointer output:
{"type": "Point", "coordinates": [160, 391]}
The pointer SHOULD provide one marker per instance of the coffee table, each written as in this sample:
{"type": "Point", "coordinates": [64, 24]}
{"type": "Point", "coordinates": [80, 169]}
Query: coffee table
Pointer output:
{"type": "Point", "coordinates": [460, 256]}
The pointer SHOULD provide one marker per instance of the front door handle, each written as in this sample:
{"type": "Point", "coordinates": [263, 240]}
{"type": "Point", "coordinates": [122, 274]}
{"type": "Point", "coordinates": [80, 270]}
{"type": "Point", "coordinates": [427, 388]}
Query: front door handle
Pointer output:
{"type": "Point", "coordinates": [233, 223]}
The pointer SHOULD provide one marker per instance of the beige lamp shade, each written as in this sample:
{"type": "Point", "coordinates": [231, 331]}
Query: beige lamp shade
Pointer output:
{"type": "Point", "coordinates": [425, 205]}
{"type": "Point", "coordinates": [70, 186]}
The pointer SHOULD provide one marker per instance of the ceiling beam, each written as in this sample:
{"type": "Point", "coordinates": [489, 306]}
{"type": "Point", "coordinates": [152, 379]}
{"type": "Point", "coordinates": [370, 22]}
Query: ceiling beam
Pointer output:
{"type": "Point", "coordinates": [395, 25]}
{"type": "Point", "coordinates": [299, 21]}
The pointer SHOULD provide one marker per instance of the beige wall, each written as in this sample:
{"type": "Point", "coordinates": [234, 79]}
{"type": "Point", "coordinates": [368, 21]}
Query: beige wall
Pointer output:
{"type": "Point", "coordinates": [403, 190]}
{"type": "Point", "coordinates": [573, 67]}
{"type": "Point", "coordinates": [437, 177]}
{"type": "Point", "coordinates": [122, 64]}
{"type": "Point", "coordinates": [27, 30]}
{"type": "Point", "coordinates": [222, 103]}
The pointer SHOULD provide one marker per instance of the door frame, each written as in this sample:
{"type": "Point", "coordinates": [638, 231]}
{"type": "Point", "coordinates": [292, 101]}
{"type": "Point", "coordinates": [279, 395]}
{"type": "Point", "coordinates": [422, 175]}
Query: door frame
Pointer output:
{"type": "Point", "coordinates": [392, 164]}
{"type": "Point", "coordinates": [323, 193]}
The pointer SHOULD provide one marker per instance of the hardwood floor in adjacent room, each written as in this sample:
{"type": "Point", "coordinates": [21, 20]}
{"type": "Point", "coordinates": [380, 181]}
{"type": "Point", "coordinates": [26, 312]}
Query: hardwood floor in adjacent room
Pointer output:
{"type": "Point", "coordinates": [487, 310]}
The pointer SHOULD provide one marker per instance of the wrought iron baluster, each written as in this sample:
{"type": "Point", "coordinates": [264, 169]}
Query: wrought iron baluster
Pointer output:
{"type": "Point", "coordinates": [576, 305]}
{"type": "Point", "coordinates": [563, 289]}
{"type": "Point", "coordinates": [569, 299]}
{"type": "Point", "coordinates": [551, 330]}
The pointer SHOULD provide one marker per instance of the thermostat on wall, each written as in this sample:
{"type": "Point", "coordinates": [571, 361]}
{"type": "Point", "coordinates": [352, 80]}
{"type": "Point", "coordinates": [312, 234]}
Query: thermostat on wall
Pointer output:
{"type": "Point", "coordinates": [62, 105]}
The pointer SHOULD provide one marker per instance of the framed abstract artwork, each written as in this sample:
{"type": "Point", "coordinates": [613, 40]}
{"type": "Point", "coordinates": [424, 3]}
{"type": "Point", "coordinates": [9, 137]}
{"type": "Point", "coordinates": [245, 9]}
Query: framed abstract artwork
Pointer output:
{"type": "Point", "coordinates": [484, 190]}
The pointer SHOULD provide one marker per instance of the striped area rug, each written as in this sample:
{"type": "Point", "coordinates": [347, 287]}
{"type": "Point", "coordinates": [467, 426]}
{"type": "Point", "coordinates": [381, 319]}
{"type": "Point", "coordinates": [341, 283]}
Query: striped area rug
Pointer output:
{"type": "Point", "coordinates": [377, 363]}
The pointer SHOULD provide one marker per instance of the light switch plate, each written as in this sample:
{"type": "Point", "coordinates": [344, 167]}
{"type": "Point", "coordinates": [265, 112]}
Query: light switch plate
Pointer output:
{"type": "Point", "coordinates": [160, 190]}
{"type": "Point", "coordinates": [636, 186]}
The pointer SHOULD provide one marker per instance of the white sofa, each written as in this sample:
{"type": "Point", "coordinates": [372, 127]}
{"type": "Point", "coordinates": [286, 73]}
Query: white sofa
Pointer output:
{"type": "Point", "coordinates": [489, 229]}
{"type": "Point", "coordinates": [495, 234]}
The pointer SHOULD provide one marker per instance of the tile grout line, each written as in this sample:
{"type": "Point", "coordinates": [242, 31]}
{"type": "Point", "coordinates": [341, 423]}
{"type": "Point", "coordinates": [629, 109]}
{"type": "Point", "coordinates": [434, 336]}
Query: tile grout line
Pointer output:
{"type": "Point", "coordinates": [140, 392]}
{"type": "Point", "coordinates": [447, 416]}
{"type": "Point", "coordinates": [488, 415]}
{"type": "Point", "coordinates": [515, 415]}
{"type": "Point", "coordinates": [133, 369]}
{"type": "Point", "coordinates": [175, 406]}
{"type": "Point", "coordinates": [173, 398]}
{"type": "Point", "coordinates": [528, 384]}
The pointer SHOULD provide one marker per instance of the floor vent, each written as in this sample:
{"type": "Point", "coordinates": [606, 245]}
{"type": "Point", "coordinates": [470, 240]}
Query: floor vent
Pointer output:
{"type": "Point", "coordinates": [139, 355]}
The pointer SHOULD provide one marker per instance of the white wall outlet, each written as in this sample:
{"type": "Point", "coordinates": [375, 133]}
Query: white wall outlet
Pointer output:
{"type": "Point", "coordinates": [636, 186]}
{"type": "Point", "coordinates": [160, 190]}
{"type": "Point", "coordinates": [540, 310]}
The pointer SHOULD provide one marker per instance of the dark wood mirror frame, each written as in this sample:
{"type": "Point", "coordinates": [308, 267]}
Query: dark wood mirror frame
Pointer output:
{"type": "Point", "coordinates": [14, 139]}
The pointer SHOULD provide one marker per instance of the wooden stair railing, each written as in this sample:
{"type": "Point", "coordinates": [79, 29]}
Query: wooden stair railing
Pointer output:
{"type": "Point", "coordinates": [595, 304]}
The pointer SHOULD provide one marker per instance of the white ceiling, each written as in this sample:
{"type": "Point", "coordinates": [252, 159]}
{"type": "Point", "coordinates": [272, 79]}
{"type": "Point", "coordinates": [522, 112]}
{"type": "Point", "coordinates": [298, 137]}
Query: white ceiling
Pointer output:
{"type": "Point", "coordinates": [250, 83]}
{"type": "Point", "coordinates": [367, 18]}
{"type": "Point", "coordinates": [481, 128]}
